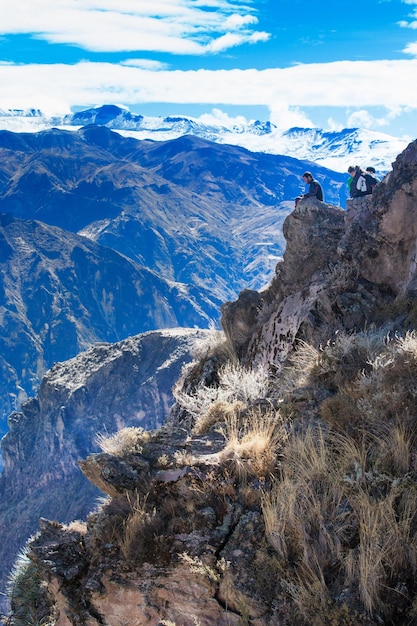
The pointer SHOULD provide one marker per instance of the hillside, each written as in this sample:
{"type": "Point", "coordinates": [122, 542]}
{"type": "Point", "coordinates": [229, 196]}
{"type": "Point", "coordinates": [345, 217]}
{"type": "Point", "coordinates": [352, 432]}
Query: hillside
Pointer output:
{"type": "Point", "coordinates": [61, 292]}
{"type": "Point", "coordinates": [282, 489]}
{"type": "Point", "coordinates": [103, 236]}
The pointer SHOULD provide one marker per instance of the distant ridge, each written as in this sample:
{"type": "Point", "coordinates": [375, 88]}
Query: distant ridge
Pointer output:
{"type": "Point", "coordinates": [333, 149]}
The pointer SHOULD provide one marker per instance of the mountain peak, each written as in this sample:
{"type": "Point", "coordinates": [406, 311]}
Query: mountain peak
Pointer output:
{"type": "Point", "coordinates": [328, 148]}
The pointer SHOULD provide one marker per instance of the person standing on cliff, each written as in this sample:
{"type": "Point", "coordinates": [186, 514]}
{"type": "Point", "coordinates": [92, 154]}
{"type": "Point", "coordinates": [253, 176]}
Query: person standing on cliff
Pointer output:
{"type": "Point", "coordinates": [314, 187]}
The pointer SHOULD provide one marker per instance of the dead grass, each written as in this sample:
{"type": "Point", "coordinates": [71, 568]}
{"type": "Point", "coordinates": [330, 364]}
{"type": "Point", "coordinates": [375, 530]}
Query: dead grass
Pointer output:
{"type": "Point", "coordinates": [379, 405]}
{"type": "Point", "coordinates": [253, 442]}
{"type": "Point", "coordinates": [143, 531]}
{"type": "Point", "coordinates": [238, 386]}
{"type": "Point", "coordinates": [217, 413]}
{"type": "Point", "coordinates": [78, 526]}
{"type": "Point", "coordinates": [307, 507]}
{"type": "Point", "coordinates": [387, 545]}
{"type": "Point", "coordinates": [333, 365]}
{"type": "Point", "coordinates": [332, 510]}
{"type": "Point", "coordinates": [128, 440]}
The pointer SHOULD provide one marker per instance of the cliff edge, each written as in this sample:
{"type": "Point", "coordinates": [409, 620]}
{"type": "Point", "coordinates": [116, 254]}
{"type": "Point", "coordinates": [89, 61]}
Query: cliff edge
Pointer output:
{"type": "Point", "coordinates": [283, 488]}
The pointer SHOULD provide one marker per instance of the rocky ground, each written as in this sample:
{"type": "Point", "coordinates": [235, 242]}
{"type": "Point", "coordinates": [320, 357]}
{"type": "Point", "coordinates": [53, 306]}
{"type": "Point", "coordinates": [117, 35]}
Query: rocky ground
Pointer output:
{"type": "Point", "coordinates": [282, 489]}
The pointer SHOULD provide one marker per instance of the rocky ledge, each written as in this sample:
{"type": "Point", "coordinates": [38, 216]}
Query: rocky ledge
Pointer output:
{"type": "Point", "coordinates": [283, 490]}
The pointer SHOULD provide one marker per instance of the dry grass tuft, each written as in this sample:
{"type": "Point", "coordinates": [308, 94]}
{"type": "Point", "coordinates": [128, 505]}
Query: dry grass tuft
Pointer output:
{"type": "Point", "coordinates": [378, 406]}
{"type": "Point", "coordinates": [78, 526]}
{"type": "Point", "coordinates": [253, 443]}
{"type": "Point", "coordinates": [334, 511]}
{"type": "Point", "coordinates": [128, 440]}
{"type": "Point", "coordinates": [387, 544]}
{"type": "Point", "coordinates": [218, 412]}
{"type": "Point", "coordinates": [333, 365]}
{"type": "Point", "coordinates": [307, 507]}
{"type": "Point", "coordinates": [142, 532]}
{"type": "Point", "coordinates": [238, 386]}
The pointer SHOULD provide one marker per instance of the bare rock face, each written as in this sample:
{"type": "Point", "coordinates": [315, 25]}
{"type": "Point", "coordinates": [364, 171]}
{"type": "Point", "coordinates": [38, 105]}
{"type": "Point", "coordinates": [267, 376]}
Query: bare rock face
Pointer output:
{"type": "Point", "coordinates": [389, 258]}
{"type": "Point", "coordinates": [176, 544]}
{"type": "Point", "coordinates": [102, 390]}
{"type": "Point", "coordinates": [312, 232]}
{"type": "Point", "coordinates": [339, 269]}
{"type": "Point", "coordinates": [182, 538]}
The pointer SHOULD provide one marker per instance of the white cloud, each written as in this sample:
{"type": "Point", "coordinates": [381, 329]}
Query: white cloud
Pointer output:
{"type": "Point", "coordinates": [411, 49]}
{"type": "Point", "coordinates": [238, 21]}
{"type": "Point", "coordinates": [360, 119]}
{"type": "Point", "coordinates": [289, 116]}
{"type": "Point", "coordinates": [219, 117]}
{"type": "Point", "coordinates": [175, 26]}
{"type": "Point", "coordinates": [333, 125]}
{"type": "Point", "coordinates": [146, 64]}
{"type": "Point", "coordinates": [235, 39]}
{"type": "Point", "coordinates": [353, 85]}
{"type": "Point", "coordinates": [363, 118]}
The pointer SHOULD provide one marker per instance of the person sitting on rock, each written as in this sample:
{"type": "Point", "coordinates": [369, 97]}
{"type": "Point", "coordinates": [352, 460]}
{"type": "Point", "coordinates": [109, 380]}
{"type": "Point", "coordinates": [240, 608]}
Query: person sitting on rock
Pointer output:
{"type": "Point", "coordinates": [314, 187]}
{"type": "Point", "coordinates": [372, 171]}
{"type": "Point", "coordinates": [351, 172]}
{"type": "Point", "coordinates": [359, 185]}
{"type": "Point", "coordinates": [371, 178]}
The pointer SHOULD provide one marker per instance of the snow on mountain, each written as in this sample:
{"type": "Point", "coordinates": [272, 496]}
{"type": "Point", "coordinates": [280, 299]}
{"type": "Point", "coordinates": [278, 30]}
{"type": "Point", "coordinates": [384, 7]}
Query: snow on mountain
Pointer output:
{"type": "Point", "coordinates": [335, 150]}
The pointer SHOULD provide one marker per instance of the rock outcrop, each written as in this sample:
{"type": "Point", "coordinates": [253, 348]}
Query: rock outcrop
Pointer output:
{"type": "Point", "coordinates": [283, 499]}
{"type": "Point", "coordinates": [106, 388]}
{"type": "Point", "coordinates": [338, 270]}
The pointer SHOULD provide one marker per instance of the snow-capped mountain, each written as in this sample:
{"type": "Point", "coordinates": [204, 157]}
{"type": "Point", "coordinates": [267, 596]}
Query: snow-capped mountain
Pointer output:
{"type": "Point", "coordinates": [335, 150]}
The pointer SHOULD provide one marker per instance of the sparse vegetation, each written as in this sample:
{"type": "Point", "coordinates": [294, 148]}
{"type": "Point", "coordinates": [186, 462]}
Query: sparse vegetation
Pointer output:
{"type": "Point", "coordinates": [253, 442]}
{"type": "Point", "coordinates": [128, 440]}
{"type": "Point", "coordinates": [28, 595]}
{"type": "Point", "coordinates": [342, 512]}
{"type": "Point", "coordinates": [336, 492]}
{"type": "Point", "coordinates": [237, 386]}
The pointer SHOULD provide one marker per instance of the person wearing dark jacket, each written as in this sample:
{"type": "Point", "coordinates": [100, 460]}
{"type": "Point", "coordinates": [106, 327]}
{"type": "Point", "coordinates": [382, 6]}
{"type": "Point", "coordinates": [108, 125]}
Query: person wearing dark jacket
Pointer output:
{"type": "Point", "coordinates": [314, 187]}
{"type": "Point", "coordinates": [359, 185]}
{"type": "Point", "coordinates": [371, 177]}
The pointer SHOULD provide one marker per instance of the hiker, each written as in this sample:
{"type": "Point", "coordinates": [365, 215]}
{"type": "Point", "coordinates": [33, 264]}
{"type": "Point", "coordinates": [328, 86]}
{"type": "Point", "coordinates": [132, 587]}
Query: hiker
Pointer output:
{"type": "Point", "coordinates": [371, 178]}
{"type": "Point", "coordinates": [360, 186]}
{"type": "Point", "coordinates": [351, 172]}
{"type": "Point", "coordinates": [314, 189]}
{"type": "Point", "coordinates": [371, 171]}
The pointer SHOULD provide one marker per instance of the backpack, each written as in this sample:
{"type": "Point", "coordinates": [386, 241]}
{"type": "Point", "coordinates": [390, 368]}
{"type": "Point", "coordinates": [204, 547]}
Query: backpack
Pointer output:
{"type": "Point", "coordinates": [361, 185]}
{"type": "Point", "coordinates": [371, 181]}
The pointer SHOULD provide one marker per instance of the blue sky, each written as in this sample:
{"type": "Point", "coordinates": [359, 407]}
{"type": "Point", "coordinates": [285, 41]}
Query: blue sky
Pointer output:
{"type": "Point", "coordinates": [294, 62]}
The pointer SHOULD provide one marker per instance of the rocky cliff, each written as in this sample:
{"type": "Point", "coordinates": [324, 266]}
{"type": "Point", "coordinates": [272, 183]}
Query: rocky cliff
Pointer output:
{"type": "Point", "coordinates": [339, 271]}
{"type": "Point", "coordinates": [170, 230]}
{"type": "Point", "coordinates": [283, 489]}
{"type": "Point", "coordinates": [60, 293]}
{"type": "Point", "coordinates": [106, 388]}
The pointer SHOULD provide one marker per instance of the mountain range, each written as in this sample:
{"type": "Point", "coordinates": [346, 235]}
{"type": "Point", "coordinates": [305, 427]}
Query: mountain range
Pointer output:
{"type": "Point", "coordinates": [105, 236]}
{"type": "Point", "coordinates": [282, 487]}
{"type": "Point", "coordinates": [60, 293]}
{"type": "Point", "coordinates": [335, 150]}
